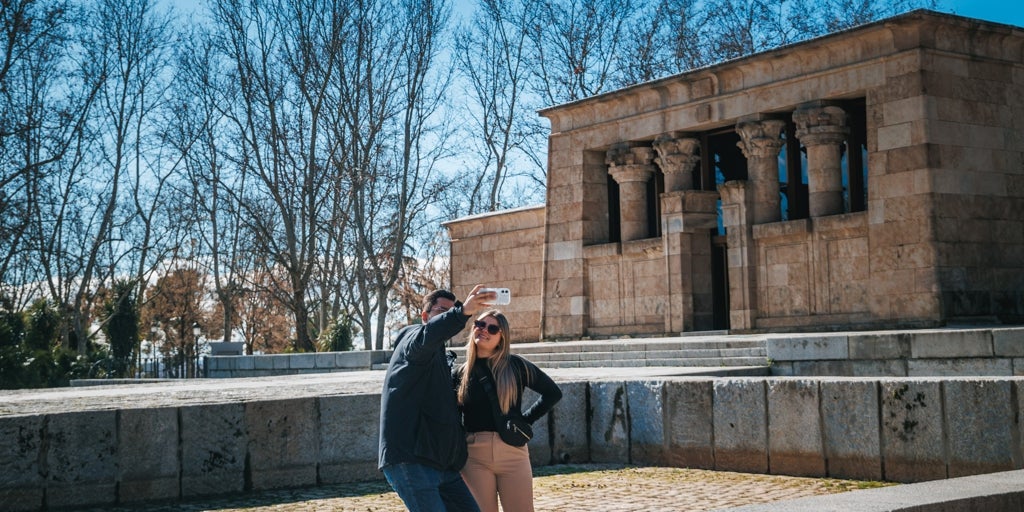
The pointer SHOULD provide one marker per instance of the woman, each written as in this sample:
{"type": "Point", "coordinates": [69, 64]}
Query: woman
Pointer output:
{"type": "Point", "coordinates": [490, 388]}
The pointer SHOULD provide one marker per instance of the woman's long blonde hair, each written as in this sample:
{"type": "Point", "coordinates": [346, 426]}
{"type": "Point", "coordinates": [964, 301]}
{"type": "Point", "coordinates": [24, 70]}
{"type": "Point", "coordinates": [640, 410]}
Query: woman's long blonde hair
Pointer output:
{"type": "Point", "coordinates": [500, 363]}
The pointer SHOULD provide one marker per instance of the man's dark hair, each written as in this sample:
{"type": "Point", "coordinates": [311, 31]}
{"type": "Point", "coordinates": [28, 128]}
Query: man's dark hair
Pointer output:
{"type": "Point", "coordinates": [431, 298]}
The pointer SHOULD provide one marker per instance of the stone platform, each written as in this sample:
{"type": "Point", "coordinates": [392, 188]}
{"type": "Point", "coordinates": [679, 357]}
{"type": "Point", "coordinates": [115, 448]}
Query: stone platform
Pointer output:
{"type": "Point", "coordinates": [182, 440]}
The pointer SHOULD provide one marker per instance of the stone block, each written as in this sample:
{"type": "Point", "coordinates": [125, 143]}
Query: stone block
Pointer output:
{"type": "Point", "coordinates": [951, 344]}
{"type": "Point", "coordinates": [357, 359]}
{"type": "Point", "coordinates": [880, 368]}
{"type": "Point", "coordinates": [740, 425]}
{"type": "Point", "coordinates": [349, 426]}
{"type": "Point", "coordinates": [326, 360]}
{"type": "Point", "coordinates": [283, 441]}
{"type": "Point", "coordinates": [795, 444]}
{"type": "Point", "coordinates": [147, 447]}
{"type": "Point", "coordinates": [806, 348]}
{"type": "Point", "coordinates": [903, 111]}
{"type": "Point", "coordinates": [214, 364]}
{"type": "Point", "coordinates": [894, 136]}
{"type": "Point", "coordinates": [81, 459]}
{"type": "Point", "coordinates": [281, 361]}
{"type": "Point", "coordinates": [265, 362]}
{"type": "Point", "coordinates": [245, 363]}
{"type": "Point", "coordinates": [213, 449]}
{"type": "Point", "coordinates": [647, 435]}
{"type": "Point", "coordinates": [569, 420]}
{"type": "Point", "coordinates": [540, 444]}
{"type": "Point", "coordinates": [609, 424]}
{"type": "Point", "coordinates": [849, 418]}
{"type": "Point", "coordinates": [379, 356]}
{"type": "Point", "coordinates": [785, 369]}
{"type": "Point", "coordinates": [912, 431]}
{"type": "Point", "coordinates": [689, 423]}
{"type": "Point", "coordinates": [959, 367]}
{"type": "Point", "coordinates": [980, 426]}
{"type": "Point", "coordinates": [880, 346]}
{"type": "Point", "coordinates": [1008, 342]}
{"type": "Point", "coordinates": [21, 478]}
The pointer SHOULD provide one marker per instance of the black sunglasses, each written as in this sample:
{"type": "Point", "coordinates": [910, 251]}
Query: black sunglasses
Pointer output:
{"type": "Point", "coordinates": [491, 328]}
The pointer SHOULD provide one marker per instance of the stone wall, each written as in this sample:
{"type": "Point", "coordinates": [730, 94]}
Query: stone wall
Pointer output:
{"type": "Point", "coordinates": [627, 289]}
{"type": "Point", "coordinates": [813, 272]}
{"type": "Point", "coordinates": [219, 367]}
{"type": "Point", "coordinates": [896, 429]}
{"type": "Point", "coordinates": [502, 250]}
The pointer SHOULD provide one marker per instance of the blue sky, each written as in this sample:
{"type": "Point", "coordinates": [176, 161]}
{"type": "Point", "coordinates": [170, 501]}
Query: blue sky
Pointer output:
{"type": "Point", "coordinates": [1010, 12]}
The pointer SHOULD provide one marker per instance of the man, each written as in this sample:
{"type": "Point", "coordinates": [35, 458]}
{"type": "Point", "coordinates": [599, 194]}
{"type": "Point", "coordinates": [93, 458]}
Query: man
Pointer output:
{"type": "Point", "coordinates": [422, 443]}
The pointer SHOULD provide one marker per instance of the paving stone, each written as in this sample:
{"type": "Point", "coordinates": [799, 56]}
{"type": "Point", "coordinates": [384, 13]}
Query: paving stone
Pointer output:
{"type": "Point", "coordinates": [559, 488]}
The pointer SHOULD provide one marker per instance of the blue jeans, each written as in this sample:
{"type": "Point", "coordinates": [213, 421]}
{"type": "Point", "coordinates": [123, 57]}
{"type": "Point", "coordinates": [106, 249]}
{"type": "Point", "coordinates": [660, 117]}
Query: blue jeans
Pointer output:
{"type": "Point", "coordinates": [425, 489]}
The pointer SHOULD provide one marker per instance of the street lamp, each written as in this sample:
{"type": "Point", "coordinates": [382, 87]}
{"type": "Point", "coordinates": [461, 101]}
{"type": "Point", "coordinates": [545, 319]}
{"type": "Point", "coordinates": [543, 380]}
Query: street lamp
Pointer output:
{"type": "Point", "coordinates": [152, 354]}
{"type": "Point", "coordinates": [196, 331]}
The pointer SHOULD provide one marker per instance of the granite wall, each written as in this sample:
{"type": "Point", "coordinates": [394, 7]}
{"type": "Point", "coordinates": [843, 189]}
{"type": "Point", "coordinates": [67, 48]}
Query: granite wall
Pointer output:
{"type": "Point", "coordinates": [897, 429]}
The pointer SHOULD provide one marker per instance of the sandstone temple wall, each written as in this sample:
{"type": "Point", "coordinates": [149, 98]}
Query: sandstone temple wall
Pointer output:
{"type": "Point", "coordinates": [908, 211]}
{"type": "Point", "coordinates": [502, 250]}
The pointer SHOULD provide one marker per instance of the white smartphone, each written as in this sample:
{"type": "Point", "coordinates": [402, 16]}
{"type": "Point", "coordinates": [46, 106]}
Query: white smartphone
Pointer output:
{"type": "Point", "coordinates": [504, 296]}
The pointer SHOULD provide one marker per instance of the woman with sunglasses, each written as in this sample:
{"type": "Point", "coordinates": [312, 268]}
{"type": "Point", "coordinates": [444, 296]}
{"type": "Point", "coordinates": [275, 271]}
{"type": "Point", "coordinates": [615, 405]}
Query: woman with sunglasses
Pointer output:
{"type": "Point", "coordinates": [490, 389]}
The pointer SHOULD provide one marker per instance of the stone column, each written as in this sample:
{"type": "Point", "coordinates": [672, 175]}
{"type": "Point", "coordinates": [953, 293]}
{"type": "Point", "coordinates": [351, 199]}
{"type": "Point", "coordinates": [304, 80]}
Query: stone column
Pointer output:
{"type": "Point", "coordinates": [822, 129]}
{"type": "Point", "coordinates": [676, 158]}
{"type": "Point", "coordinates": [631, 167]}
{"type": "Point", "coordinates": [742, 253]}
{"type": "Point", "coordinates": [760, 142]}
{"type": "Point", "coordinates": [687, 218]}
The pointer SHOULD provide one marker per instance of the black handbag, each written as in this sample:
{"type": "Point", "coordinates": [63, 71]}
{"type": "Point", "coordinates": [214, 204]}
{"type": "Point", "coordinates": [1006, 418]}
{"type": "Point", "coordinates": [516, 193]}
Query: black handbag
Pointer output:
{"type": "Point", "coordinates": [513, 429]}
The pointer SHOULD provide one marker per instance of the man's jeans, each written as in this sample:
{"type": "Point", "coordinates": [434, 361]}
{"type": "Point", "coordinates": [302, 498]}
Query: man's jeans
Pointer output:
{"type": "Point", "coordinates": [425, 489]}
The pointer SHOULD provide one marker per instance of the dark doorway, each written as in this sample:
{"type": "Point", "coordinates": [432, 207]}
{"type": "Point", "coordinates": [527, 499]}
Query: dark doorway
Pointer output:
{"type": "Point", "coordinates": [720, 282]}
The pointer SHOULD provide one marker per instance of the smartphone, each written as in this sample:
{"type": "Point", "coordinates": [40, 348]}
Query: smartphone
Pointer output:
{"type": "Point", "coordinates": [504, 296]}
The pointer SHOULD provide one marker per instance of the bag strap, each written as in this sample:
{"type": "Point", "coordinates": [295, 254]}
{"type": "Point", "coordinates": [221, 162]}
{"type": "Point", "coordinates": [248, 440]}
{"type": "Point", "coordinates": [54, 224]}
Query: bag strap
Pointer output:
{"type": "Point", "coordinates": [492, 397]}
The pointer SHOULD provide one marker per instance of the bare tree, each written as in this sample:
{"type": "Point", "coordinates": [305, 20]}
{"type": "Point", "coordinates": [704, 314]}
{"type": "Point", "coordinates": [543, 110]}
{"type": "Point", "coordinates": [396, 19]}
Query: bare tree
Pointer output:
{"type": "Point", "coordinates": [576, 42]}
{"type": "Point", "coordinates": [195, 128]}
{"type": "Point", "coordinates": [493, 53]}
{"type": "Point", "coordinates": [275, 49]}
{"type": "Point", "coordinates": [390, 92]}
{"type": "Point", "coordinates": [84, 233]}
{"type": "Point", "coordinates": [714, 30]}
{"type": "Point", "coordinates": [649, 49]}
{"type": "Point", "coordinates": [43, 104]}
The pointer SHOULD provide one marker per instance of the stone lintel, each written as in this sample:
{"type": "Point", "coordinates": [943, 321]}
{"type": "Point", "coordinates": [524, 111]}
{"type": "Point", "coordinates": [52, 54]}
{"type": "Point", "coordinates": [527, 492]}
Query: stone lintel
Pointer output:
{"type": "Point", "coordinates": [779, 229]}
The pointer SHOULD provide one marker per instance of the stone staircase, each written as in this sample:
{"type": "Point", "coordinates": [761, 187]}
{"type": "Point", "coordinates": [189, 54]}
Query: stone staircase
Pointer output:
{"type": "Point", "coordinates": [684, 351]}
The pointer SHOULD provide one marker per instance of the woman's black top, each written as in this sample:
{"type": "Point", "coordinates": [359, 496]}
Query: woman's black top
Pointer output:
{"type": "Point", "coordinates": [476, 411]}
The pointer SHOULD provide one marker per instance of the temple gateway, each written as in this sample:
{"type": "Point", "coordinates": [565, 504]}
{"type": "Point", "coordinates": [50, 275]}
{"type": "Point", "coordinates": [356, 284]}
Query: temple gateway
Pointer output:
{"type": "Point", "coordinates": [868, 179]}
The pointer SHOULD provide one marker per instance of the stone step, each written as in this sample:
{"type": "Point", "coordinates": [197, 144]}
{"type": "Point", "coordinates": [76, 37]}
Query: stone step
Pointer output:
{"type": "Point", "coordinates": [649, 354]}
{"type": "Point", "coordinates": [685, 351]}
{"type": "Point", "coordinates": [639, 345]}
{"type": "Point", "coordinates": [642, 362]}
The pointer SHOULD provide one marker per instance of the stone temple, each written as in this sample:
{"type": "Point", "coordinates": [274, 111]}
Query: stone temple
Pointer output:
{"type": "Point", "coordinates": [868, 179]}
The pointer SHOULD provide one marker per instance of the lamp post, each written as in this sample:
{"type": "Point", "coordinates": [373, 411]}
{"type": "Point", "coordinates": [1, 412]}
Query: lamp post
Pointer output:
{"type": "Point", "coordinates": [152, 353]}
{"type": "Point", "coordinates": [196, 332]}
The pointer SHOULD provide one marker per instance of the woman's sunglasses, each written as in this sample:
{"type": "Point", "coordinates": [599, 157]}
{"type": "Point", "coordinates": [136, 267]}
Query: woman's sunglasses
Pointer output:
{"type": "Point", "coordinates": [491, 328]}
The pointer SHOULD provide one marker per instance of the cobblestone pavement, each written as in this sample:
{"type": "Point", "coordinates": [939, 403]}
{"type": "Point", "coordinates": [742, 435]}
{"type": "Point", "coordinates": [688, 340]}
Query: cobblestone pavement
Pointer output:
{"type": "Point", "coordinates": [564, 488]}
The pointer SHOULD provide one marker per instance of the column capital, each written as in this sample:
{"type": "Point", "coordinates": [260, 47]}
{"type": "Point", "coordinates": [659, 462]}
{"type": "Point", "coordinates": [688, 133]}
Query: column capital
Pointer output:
{"type": "Point", "coordinates": [631, 173]}
{"type": "Point", "coordinates": [821, 125]}
{"type": "Point", "coordinates": [733, 192]}
{"type": "Point", "coordinates": [623, 154]}
{"type": "Point", "coordinates": [761, 139]}
{"type": "Point", "coordinates": [676, 154]}
{"type": "Point", "coordinates": [630, 164]}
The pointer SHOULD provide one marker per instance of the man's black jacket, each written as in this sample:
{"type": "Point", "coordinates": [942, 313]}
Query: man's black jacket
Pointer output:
{"type": "Point", "coordinates": [419, 416]}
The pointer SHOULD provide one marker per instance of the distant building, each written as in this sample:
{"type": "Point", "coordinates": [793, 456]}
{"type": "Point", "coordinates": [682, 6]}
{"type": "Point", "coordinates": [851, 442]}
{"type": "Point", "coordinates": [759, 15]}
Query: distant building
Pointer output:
{"type": "Point", "coordinates": [871, 178]}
